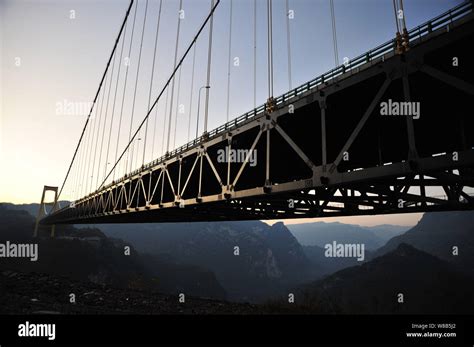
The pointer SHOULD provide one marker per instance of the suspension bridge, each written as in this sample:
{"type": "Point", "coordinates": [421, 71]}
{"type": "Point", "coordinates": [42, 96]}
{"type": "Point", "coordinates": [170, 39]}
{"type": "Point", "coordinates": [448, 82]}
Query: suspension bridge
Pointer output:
{"type": "Point", "coordinates": [390, 131]}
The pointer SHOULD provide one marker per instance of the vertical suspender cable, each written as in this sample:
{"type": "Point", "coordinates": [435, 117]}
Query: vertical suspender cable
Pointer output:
{"type": "Point", "coordinates": [96, 136]}
{"type": "Point", "coordinates": [164, 121]}
{"type": "Point", "coordinates": [125, 87]}
{"type": "Point", "coordinates": [115, 98]}
{"type": "Point", "coordinates": [288, 41]}
{"type": "Point", "coordinates": [403, 24]}
{"type": "Point", "coordinates": [172, 83]}
{"type": "Point", "coordinates": [177, 109]}
{"type": "Point", "coordinates": [156, 112]}
{"type": "Point", "coordinates": [105, 124]}
{"type": "Point", "coordinates": [160, 94]}
{"type": "Point", "coordinates": [230, 59]}
{"type": "Point", "coordinates": [191, 93]}
{"type": "Point", "coordinates": [254, 54]}
{"type": "Point", "coordinates": [84, 161]}
{"type": "Point", "coordinates": [395, 12]}
{"type": "Point", "coordinates": [93, 103]}
{"type": "Point", "coordinates": [209, 57]}
{"type": "Point", "coordinates": [77, 172]}
{"type": "Point", "coordinates": [270, 48]}
{"type": "Point", "coordinates": [151, 86]}
{"type": "Point", "coordinates": [136, 80]}
{"type": "Point", "coordinates": [334, 33]}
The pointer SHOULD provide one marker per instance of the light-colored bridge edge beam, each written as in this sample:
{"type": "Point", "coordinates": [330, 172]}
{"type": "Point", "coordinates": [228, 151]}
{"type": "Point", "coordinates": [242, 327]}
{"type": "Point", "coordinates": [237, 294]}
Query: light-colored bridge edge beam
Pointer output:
{"type": "Point", "coordinates": [144, 192]}
{"type": "Point", "coordinates": [132, 195]}
{"type": "Point", "coordinates": [162, 185]}
{"type": "Point", "coordinates": [200, 176]}
{"type": "Point", "coordinates": [150, 175]}
{"type": "Point", "coordinates": [448, 79]}
{"type": "Point", "coordinates": [179, 175]}
{"type": "Point", "coordinates": [361, 124]}
{"type": "Point", "coordinates": [170, 180]}
{"type": "Point", "coordinates": [160, 176]}
{"type": "Point", "coordinates": [213, 169]}
{"type": "Point", "coordinates": [295, 147]}
{"type": "Point", "coordinates": [189, 176]}
{"type": "Point", "coordinates": [247, 157]}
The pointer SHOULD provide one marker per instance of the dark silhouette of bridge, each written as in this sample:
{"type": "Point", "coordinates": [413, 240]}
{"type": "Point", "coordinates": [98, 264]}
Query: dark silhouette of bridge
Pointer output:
{"type": "Point", "coordinates": [374, 135]}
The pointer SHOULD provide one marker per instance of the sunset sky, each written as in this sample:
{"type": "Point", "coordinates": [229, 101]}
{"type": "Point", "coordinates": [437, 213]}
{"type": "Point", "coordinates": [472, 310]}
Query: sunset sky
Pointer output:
{"type": "Point", "coordinates": [48, 58]}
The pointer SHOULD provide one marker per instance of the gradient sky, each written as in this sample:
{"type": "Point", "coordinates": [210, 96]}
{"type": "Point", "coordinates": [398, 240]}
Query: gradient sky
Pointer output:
{"type": "Point", "coordinates": [63, 59]}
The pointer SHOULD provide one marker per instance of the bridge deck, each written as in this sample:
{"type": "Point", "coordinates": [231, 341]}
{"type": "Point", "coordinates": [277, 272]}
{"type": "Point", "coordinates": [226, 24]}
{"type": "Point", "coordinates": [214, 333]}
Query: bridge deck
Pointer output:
{"type": "Point", "coordinates": [327, 150]}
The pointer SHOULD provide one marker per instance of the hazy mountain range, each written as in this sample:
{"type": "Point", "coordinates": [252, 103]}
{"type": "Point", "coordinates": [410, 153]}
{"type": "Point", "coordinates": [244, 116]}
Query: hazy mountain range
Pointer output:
{"type": "Point", "coordinates": [321, 233]}
{"type": "Point", "coordinates": [253, 261]}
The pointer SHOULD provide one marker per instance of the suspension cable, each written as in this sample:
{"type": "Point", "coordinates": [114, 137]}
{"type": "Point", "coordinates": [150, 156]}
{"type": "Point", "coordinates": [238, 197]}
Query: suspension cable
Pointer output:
{"type": "Point", "coordinates": [288, 41]}
{"type": "Point", "coordinates": [254, 54]}
{"type": "Point", "coordinates": [115, 98]}
{"type": "Point", "coordinates": [209, 57]}
{"type": "Point", "coordinates": [177, 108]}
{"type": "Point", "coordinates": [334, 33]}
{"type": "Point", "coordinates": [93, 103]}
{"type": "Point", "coordinates": [105, 123]}
{"type": "Point", "coordinates": [403, 28]}
{"type": "Point", "coordinates": [191, 93]}
{"type": "Point", "coordinates": [230, 58]}
{"type": "Point", "coordinates": [136, 80]}
{"type": "Point", "coordinates": [154, 132]}
{"type": "Point", "coordinates": [208, 19]}
{"type": "Point", "coordinates": [125, 84]}
{"type": "Point", "coordinates": [164, 121]}
{"type": "Point", "coordinates": [96, 136]}
{"type": "Point", "coordinates": [395, 12]}
{"type": "Point", "coordinates": [172, 85]}
{"type": "Point", "coordinates": [270, 48]}
{"type": "Point", "coordinates": [151, 85]}
{"type": "Point", "coordinates": [402, 39]}
{"type": "Point", "coordinates": [84, 159]}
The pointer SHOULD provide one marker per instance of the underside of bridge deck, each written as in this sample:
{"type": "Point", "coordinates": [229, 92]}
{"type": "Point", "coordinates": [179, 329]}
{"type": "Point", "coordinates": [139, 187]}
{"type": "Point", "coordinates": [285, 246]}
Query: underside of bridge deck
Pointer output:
{"type": "Point", "coordinates": [375, 140]}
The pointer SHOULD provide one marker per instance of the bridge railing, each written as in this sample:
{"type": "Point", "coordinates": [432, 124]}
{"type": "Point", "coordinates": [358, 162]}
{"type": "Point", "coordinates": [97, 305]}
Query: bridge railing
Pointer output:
{"type": "Point", "coordinates": [414, 34]}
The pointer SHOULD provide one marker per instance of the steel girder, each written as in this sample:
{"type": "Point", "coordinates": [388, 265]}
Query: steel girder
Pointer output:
{"type": "Point", "coordinates": [325, 152]}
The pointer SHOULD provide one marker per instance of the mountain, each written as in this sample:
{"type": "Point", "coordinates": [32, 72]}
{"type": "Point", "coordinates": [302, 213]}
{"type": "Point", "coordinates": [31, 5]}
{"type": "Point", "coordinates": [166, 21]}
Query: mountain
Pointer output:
{"type": "Point", "coordinates": [88, 255]}
{"type": "Point", "coordinates": [437, 233]}
{"type": "Point", "coordinates": [429, 286]}
{"type": "Point", "coordinates": [321, 233]}
{"type": "Point", "coordinates": [32, 209]}
{"type": "Point", "coordinates": [327, 265]}
{"type": "Point", "coordinates": [387, 231]}
{"type": "Point", "coordinates": [269, 258]}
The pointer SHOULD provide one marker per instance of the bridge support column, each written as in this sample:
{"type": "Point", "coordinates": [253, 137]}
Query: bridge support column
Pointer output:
{"type": "Point", "coordinates": [42, 208]}
{"type": "Point", "coordinates": [322, 106]}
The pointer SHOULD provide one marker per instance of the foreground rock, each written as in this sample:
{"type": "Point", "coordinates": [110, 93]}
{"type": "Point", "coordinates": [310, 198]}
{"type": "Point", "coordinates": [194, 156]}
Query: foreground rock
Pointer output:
{"type": "Point", "coordinates": [32, 293]}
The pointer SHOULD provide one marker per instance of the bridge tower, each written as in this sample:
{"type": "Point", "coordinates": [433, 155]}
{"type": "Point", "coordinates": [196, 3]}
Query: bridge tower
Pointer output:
{"type": "Point", "coordinates": [42, 208]}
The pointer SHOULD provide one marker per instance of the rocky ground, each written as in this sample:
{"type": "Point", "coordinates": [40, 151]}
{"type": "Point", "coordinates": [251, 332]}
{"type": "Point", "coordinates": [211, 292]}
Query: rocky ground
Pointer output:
{"type": "Point", "coordinates": [33, 293]}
